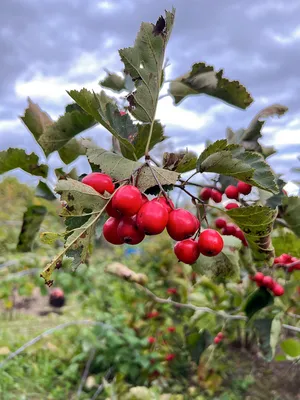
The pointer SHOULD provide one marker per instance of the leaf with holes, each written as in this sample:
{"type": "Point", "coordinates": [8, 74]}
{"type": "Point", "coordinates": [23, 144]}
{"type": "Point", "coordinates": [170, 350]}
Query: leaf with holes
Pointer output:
{"type": "Point", "coordinates": [32, 220]}
{"type": "Point", "coordinates": [114, 82]}
{"type": "Point", "coordinates": [202, 79]}
{"type": "Point", "coordinates": [119, 168]}
{"type": "Point", "coordinates": [144, 63]}
{"type": "Point", "coordinates": [258, 300]}
{"type": "Point", "coordinates": [17, 158]}
{"type": "Point", "coordinates": [232, 160]}
{"type": "Point", "coordinates": [182, 162]}
{"type": "Point", "coordinates": [268, 334]}
{"type": "Point", "coordinates": [257, 224]}
{"type": "Point", "coordinates": [291, 213]}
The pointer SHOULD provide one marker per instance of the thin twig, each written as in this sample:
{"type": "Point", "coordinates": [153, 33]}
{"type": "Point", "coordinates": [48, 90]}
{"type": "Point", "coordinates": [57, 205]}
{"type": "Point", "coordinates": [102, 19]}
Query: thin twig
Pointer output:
{"type": "Point", "coordinates": [86, 371]}
{"type": "Point", "coordinates": [158, 183]}
{"type": "Point", "coordinates": [290, 265]}
{"type": "Point", "coordinates": [154, 161]}
{"type": "Point", "coordinates": [101, 387]}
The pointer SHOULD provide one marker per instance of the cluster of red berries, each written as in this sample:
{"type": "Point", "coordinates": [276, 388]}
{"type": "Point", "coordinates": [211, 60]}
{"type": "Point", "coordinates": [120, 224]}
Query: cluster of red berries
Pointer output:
{"type": "Point", "coordinates": [230, 229]}
{"type": "Point", "coordinates": [219, 338]}
{"type": "Point", "coordinates": [269, 283]}
{"type": "Point", "coordinates": [132, 216]}
{"type": "Point", "coordinates": [232, 192]}
{"type": "Point", "coordinates": [288, 261]}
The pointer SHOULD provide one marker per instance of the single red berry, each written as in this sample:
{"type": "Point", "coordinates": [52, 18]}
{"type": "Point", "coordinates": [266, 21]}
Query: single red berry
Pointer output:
{"type": "Point", "coordinates": [224, 231]}
{"type": "Point", "coordinates": [112, 212]}
{"type": "Point", "coordinates": [182, 224]}
{"type": "Point", "coordinates": [122, 113]}
{"type": "Point", "coordinates": [210, 242]}
{"type": "Point", "coordinates": [258, 277]}
{"type": "Point", "coordinates": [277, 290]}
{"type": "Point", "coordinates": [152, 314]}
{"type": "Point", "coordinates": [220, 223]}
{"type": "Point", "coordinates": [217, 340]}
{"type": "Point", "coordinates": [166, 203]}
{"type": "Point", "coordinates": [129, 232]}
{"type": "Point", "coordinates": [231, 229]}
{"type": "Point", "coordinates": [187, 251]}
{"type": "Point", "coordinates": [151, 340]}
{"type": "Point", "coordinates": [205, 193]}
{"type": "Point", "coordinates": [229, 206]}
{"type": "Point", "coordinates": [239, 234]}
{"type": "Point", "coordinates": [172, 290]}
{"type": "Point", "coordinates": [127, 200]}
{"type": "Point", "coordinates": [171, 329]}
{"type": "Point", "coordinates": [268, 282]}
{"type": "Point", "coordinates": [285, 258]}
{"type": "Point", "coordinates": [100, 182]}
{"type": "Point", "coordinates": [152, 218]}
{"type": "Point", "coordinates": [216, 196]}
{"type": "Point", "coordinates": [232, 192]}
{"type": "Point", "coordinates": [57, 298]}
{"type": "Point", "coordinates": [244, 188]}
{"type": "Point", "coordinates": [110, 231]}
{"type": "Point", "coordinates": [170, 357]}
{"type": "Point", "coordinates": [220, 335]}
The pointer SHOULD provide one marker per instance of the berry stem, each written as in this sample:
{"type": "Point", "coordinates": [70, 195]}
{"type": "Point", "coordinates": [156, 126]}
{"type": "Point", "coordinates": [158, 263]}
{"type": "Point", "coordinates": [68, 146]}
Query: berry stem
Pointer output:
{"type": "Point", "coordinates": [159, 184]}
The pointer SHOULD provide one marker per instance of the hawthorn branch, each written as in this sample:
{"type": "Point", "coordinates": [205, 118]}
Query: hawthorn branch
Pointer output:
{"type": "Point", "coordinates": [86, 371]}
{"type": "Point", "coordinates": [290, 265]}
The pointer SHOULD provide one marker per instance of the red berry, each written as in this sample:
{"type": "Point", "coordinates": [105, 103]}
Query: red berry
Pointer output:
{"type": "Point", "coordinates": [152, 218]}
{"type": "Point", "coordinates": [166, 203]}
{"type": "Point", "coordinates": [285, 258]}
{"type": "Point", "coordinates": [112, 212]}
{"type": "Point", "coordinates": [220, 335]}
{"type": "Point", "coordinates": [220, 223]}
{"type": "Point", "coordinates": [122, 113]}
{"type": "Point", "coordinates": [205, 193]}
{"type": "Point", "coordinates": [239, 234]}
{"type": "Point", "coordinates": [171, 329]}
{"type": "Point", "coordinates": [110, 231]}
{"type": "Point", "coordinates": [284, 192]}
{"type": "Point", "coordinates": [129, 232]}
{"type": "Point", "coordinates": [231, 229]}
{"type": "Point", "coordinates": [277, 290]}
{"type": "Point", "coordinates": [229, 206]}
{"type": "Point", "coordinates": [216, 196]}
{"type": "Point", "coordinates": [170, 357]}
{"type": "Point", "coordinates": [244, 188]}
{"type": "Point", "coordinates": [232, 192]}
{"type": "Point", "coordinates": [268, 282]}
{"type": "Point", "coordinates": [144, 199]}
{"type": "Point", "coordinates": [258, 277]}
{"type": "Point", "coordinates": [127, 200]}
{"type": "Point", "coordinates": [151, 340]}
{"type": "Point", "coordinates": [187, 251]}
{"type": "Point", "coordinates": [152, 314]}
{"type": "Point", "coordinates": [217, 340]}
{"type": "Point", "coordinates": [224, 231]}
{"type": "Point", "coordinates": [210, 243]}
{"type": "Point", "coordinates": [100, 182]}
{"type": "Point", "coordinates": [57, 298]}
{"type": "Point", "coordinates": [182, 224]}
{"type": "Point", "coordinates": [172, 290]}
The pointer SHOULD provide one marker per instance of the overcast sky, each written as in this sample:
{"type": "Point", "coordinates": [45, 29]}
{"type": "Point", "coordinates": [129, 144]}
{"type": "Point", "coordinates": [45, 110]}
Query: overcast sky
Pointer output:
{"type": "Point", "coordinates": [49, 46]}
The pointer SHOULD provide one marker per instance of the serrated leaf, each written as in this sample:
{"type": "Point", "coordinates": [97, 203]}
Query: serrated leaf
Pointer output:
{"type": "Point", "coordinates": [291, 213]}
{"type": "Point", "coordinates": [105, 111]}
{"type": "Point", "coordinates": [114, 82]}
{"type": "Point", "coordinates": [258, 300]}
{"type": "Point", "coordinates": [276, 199]}
{"type": "Point", "coordinates": [35, 119]}
{"type": "Point", "coordinates": [197, 342]}
{"type": "Point", "coordinates": [202, 79]}
{"type": "Point", "coordinates": [71, 151]}
{"type": "Point", "coordinates": [291, 347]}
{"type": "Point", "coordinates": [32, 220]}
{"type": "Point", "coordinates": [64, 129]}
{"type": "Point", "coordinates": [17, 158]}
{"type": "Point", "coordinates": [43, 190]}
{"type": "Point", "coordinates": [234, 161]}
{"type": "Point", "coordinates": [120, 168]}
{"type": "Point", "coordinates": [182, 162]}
{"type": "Point", "coordinates": [268, 332]}
{"type": "Point", "coordinates": [144, 63]}
{"type": "Point", "coordinates": [257, 223]}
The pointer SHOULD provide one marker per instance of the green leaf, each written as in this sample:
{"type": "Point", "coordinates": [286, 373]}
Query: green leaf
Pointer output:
{"type": "Point", "coordinates": [43, 190]}
{"type": "Point", "coordinates": [114, 82]}
{"type": "Point", "coordinates": [17, 158]}
{"type": "Point", "coordinates": [71, 151]}
{"type": "Point", "coordinates": [105, 111]}
{"type": "Point", "coordinates": [120, 168]}
{"type": "Point", "coordinates": [32, 220]}
{"type": "Point", "coordinates": [197, 342]}
{"type": "Point", "coordinates": [291, 207]}
{"type": "Point", "coordinates": [291, 347]}
{"type": "Point", "coordinates": [183, 161]}
{"type": "Point", "coordinates": [257, 224]}
{"type": "Point", "coordinates": [141, 139]}
{"type": "Point", "coordinates": [268, 332]}
{"type": "Point", "coordinates": [276, 199]}
{"type": "Point", "coordinates": [258, 300]}
{"type": "Point", "coordinates": [35, 119]}
{"type": "Point", "coordinates": [232, 160]}
{"type": "Point", "coordinates": [64, 129]}
{"type": "Point", "coordinates": [50, 237]}
{"type": "Point", "coordinates": [144, 63]}
{"type": "Point", "coordinates": [202, 79]}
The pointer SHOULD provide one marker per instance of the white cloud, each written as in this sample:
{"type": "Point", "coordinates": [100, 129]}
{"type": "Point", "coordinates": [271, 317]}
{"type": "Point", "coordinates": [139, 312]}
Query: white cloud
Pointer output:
{"type": "Point", "coordinates": [9, 124]}
{"type": "Point", "coordinates": [285, 39]}
{"type": "Point", "coordinates": [266, 7]}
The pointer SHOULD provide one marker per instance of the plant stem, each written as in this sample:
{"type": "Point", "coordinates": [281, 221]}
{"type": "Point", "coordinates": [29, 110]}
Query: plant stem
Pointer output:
{"type": "Point", "coordinates": [150, 136]}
